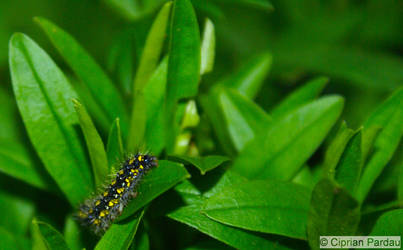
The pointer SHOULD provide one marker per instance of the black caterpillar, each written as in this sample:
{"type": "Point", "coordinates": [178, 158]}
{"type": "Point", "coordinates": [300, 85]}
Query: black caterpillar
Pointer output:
{"type": "Point", "coordinates": [98, 213]}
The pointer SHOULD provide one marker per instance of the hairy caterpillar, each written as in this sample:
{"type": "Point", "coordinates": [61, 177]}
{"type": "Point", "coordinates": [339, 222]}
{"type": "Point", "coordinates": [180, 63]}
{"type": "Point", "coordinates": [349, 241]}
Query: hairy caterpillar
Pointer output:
{"type": "Point", "coordinates": [98, 213]}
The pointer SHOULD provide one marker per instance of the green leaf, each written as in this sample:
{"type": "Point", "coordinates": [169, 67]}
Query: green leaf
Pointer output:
{"type": "Point", "coordinates": [207, 48]}
{"type": "Point", "coordinates": [18, 212]}
{"type": "Point", "coordinates": [44, 100]}
{"type": "Point", "coordinates": [133, 10]}
{"type": "Point", "coordinates": [269, 207]}
{"type": "Point", "coordinates": [152, 48]}
{"type": "Point", "coordinates": [190, 118]}
{"type": "Point", "coordinates": [46, 237]}
{"type": "Point", "coordinates": [183, 65]}
{"type": "Point", "coordinates": [154, 94]}
{"type": "Point", "coordinates": [333, 211]}
{"type": "Point", "coordinates": [250, 77]}
{"type": "Point", "coordinates": [304, 177]}
{"type": "Point", "coordinates": [336, 149]}
{"type": "Point", "coordinates": [95, 146]}
{"type": "Point", "coordinates": [120, 235]}
{"type": "Point", "coordinates": [348, 169]}
{"type": "Point", "coordinates": [137, 123]}
{"type": "Point", "coordinates": [281, 151]}
{"type": "Point", "coordinates": [190, 214]}
{"type": "Point", "coordinates": [390, 223]}
{"type": "Point", "coordinates": [72, 234]}
{"type": "Point", "coordinates": [88, 71]}
{"type": "Point", "coordinates": [307, 93]}
{"type": "Point", "coordinates": [16, 161]}
{"type": "Point", "coordinates": [184, 52]}
{"type": "Point", "coordinates": [7, 239]}
{"type": "Point", "coordinates": [159, 180]}
{"type": "Point", "coordinates": [205, 163]}
{"type": "Point", "coordinates": [389, 116]}
{"type": "Point", "coordinates": [114, 147]}
{"type": "Point", "coordinates": [235, 118]}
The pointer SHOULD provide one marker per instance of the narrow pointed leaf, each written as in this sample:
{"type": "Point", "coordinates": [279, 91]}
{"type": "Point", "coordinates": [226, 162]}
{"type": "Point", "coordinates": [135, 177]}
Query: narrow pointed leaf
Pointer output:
{"type": "Point", "coordinates": [44, 100]}
{"type": "Point", "coordinates": [95, 146]}
{"type": "Point", "coordinates": [72, 235]}
{"type": "Point", "coordinates": [183, 65]}
{"type": "Point", "coordinates": [280, 152]}
{"type": "Point", "coordinates": [301, 96]}
{"type": "Point", "coordinates": [138, 122]}
{"type": "Point", "coordinates": [154, 94]}
{"type": "Point", "coordinates": [88, 71]}
{"type": "Point", "coordinates": [153, 47]}
{"type": "Point", "coordinates": [389, 116]}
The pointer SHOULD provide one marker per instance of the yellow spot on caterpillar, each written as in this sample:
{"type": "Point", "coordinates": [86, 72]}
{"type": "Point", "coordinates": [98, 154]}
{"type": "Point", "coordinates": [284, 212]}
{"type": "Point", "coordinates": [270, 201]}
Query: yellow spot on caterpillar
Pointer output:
{"type": "Point", "coordinates": [113, 182]}
{"type": "Point", "coordinates": [127, 180]}
{"type": "Point", "coordinates": [121, 172]}
{"type": "Point", "coordinates": [97, 202]}
{"type": "Point", "coordinates": [104, 213]}
{"type": "Point", "coordinates": [96, 222]}
{"type": "Point", "coordinates": [140, 158]}
{"type": "Point", "coordinates": [116, 201]}
{"type": "Point", "coordinates": [105, 194]}
{"type": "Point", "coordinates": [128, 184]}
{"type": "Point", "coordinates": [110, 204]}
{"type": "Point", "coordinates": [120, 190]}
{"type": "Point", "coordinates": [132, 170]}
{"type": "Point", "coordinates": [131, 161]}
{"type": "Point", "coordinates": [141, 167]}
{"type": "Point", "coordinates": [91, 210]}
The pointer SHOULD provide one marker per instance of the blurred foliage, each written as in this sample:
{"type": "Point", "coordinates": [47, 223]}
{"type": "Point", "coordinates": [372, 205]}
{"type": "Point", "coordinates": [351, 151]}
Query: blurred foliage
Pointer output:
{"type": "Point", "coordinates": [251, 105]}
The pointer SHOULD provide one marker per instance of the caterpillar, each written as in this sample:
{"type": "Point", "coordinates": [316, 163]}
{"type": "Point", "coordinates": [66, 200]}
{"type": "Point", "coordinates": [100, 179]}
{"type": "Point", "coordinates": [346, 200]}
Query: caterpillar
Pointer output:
{"type": "Point", "coordinates": [99, 213]}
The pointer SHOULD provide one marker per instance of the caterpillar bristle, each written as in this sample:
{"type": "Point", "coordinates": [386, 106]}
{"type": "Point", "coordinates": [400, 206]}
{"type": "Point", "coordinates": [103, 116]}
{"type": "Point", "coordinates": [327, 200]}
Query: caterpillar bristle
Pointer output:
{"type": "Point", "coordinates": [99, 212]}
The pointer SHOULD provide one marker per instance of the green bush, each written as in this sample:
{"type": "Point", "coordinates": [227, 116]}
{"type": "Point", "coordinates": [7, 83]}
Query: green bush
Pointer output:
{"type": "Point", "coordinates": [250, 160]}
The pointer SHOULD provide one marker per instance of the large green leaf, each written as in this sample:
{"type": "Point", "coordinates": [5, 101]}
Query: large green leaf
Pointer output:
{"type": "Point", "coordinates": [95, 146]}
{"type": "Point", "coordinates": [191, 215]}
{"type": "Point", "coordinates": [389, 116]}
{"type": "Point", "coordinates": [153, 48]}
{"type": "Point", "coordinates": [88, 71]}
{"type": "Point", "coordinates": [184, 63]}
{"type": "Point", "coordinates": [16, 161]}
{"type": "Point", "coordinates": [264, 206]}
{"type": "Point", "coordinates": [282, 150]}
{"type": "Point", "coordinates": [46, 237]}
{"type": "Point", "coordinates": [120, 235]}
{"type": "Point", "coordinates": [249, 79]}
{"type": "Point", "coordinates": [301, 96]}
{"type": "Point", "coordinates": [44, 100]}
{"type": "Point", "coordinates": [159, 180]}
{"type": "Point", "coordinates": [333, 211]}
{"type": "Point", "coordinates": [389, 224]}
{"type": "Point", "coordinates": [138, 122]}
